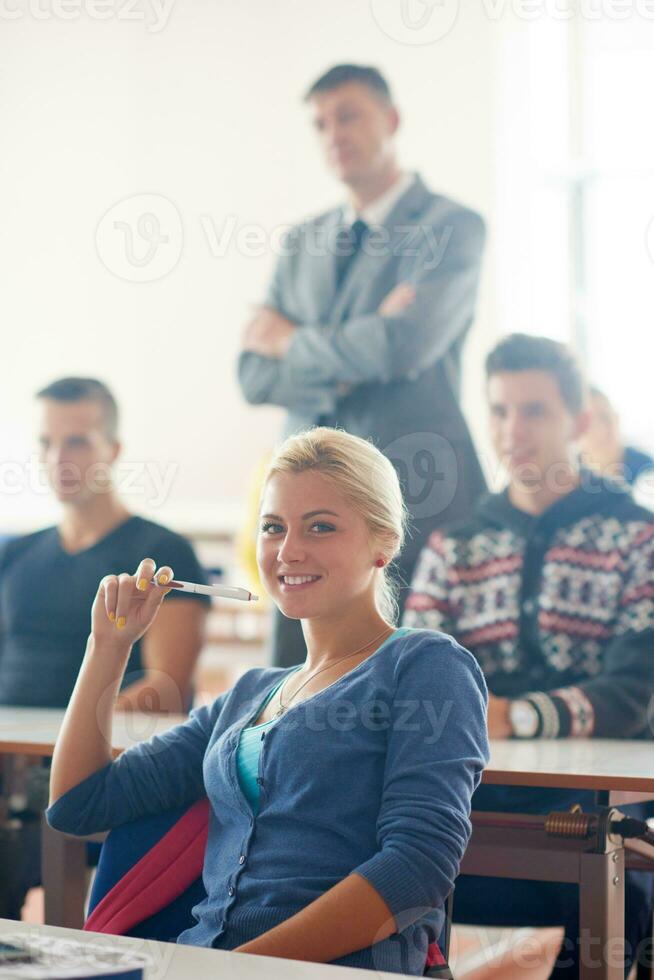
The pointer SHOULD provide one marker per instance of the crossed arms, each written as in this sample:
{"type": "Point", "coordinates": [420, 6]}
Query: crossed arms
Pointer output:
{"type": "Point", "coordinates": [298, 365]}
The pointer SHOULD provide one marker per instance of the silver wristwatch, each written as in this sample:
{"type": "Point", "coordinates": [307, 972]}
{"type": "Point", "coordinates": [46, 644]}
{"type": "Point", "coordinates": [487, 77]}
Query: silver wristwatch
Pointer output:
{"type": "Point", "coordinates": [524, 718]}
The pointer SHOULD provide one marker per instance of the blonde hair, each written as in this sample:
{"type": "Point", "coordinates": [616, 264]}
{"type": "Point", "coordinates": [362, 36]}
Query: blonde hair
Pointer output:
{"type": "Point", "coordinates": [368, 481]}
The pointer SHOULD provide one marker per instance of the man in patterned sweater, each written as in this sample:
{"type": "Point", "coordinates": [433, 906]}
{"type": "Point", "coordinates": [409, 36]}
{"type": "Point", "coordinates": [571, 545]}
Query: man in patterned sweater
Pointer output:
{"type": "Point", "coordinates": [551, 586]}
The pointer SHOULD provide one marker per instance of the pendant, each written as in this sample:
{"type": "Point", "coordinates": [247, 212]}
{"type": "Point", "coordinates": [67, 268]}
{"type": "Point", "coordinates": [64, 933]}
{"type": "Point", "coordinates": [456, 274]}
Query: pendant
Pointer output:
{"type": "Point", "coordinates": [280, 711]}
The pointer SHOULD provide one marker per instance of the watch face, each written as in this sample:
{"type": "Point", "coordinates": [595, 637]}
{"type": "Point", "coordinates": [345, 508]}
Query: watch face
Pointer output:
{"type": "Point", "coordinates": [524, 719]}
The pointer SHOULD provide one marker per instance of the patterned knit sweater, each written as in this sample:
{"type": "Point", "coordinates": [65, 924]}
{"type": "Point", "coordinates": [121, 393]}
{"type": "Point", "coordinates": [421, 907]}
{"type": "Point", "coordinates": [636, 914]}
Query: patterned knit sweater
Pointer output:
{"type": "Point", "coordinates": [557, 608]}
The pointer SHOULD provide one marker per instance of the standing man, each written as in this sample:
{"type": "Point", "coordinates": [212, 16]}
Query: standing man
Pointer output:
{"type": "Point", "coordinates": [365, 319]}
{"type": "Point", "coordinates": [48, 580]}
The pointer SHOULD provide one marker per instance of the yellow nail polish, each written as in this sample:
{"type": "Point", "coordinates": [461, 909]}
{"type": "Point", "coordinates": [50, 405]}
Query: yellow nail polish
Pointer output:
{"type": "Point", "coordinates": [163, 579]}
{"type": "Point", "coordinates": [142, 584]}
{"type": "Point", "coordinates": [120, 622]}
{"type": "Point", "coordinates": [112, 616]}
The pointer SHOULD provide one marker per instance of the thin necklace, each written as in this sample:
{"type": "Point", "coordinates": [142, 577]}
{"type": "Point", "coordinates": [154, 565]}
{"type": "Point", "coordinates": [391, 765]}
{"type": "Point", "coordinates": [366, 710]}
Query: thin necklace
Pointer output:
{"type": "Point", "coordinates": [282, 707]}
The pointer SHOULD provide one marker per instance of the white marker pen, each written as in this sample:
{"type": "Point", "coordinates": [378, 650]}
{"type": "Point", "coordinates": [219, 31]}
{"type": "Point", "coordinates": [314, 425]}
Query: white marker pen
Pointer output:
{"type": "Point", "coordinates": [222, 591]}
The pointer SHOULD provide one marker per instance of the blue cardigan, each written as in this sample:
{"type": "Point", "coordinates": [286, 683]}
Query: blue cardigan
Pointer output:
{"type": "Point", "coordinates": [372, 775]}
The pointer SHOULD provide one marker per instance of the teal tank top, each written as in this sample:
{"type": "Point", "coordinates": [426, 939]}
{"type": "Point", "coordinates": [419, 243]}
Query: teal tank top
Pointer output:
{"type": "Point", "coordinates": [248, 753]}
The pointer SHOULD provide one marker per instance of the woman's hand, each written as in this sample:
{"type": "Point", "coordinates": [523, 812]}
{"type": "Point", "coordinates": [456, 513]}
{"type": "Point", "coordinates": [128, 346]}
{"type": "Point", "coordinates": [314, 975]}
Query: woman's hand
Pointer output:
{"type": "Point", "coordinates": [126, 605]}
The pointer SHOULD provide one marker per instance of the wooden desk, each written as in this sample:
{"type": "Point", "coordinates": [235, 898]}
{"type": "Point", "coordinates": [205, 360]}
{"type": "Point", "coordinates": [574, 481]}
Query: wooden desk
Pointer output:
{"type": "Point", "coordinates": [181, 962]}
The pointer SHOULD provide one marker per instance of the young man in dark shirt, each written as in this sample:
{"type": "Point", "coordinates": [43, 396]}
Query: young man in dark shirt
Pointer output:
{"type": "Point", "coordinates": [551, 586]}
{"type": "Point", "coordinates": [48, 579]}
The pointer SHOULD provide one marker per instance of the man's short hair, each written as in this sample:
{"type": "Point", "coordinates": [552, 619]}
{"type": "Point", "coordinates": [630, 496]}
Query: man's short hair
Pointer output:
{"type": "Point", "coordinates": [339, 75]}
{"type": "Point", "coordinates": [524, 352]}
{"type": "Point", "coordinates": [87, 390]}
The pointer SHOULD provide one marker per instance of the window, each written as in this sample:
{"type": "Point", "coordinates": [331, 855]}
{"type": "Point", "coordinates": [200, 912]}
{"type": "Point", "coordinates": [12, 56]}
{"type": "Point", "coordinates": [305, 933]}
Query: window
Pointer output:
{"type": "Point", "coordinates": [576, 199]}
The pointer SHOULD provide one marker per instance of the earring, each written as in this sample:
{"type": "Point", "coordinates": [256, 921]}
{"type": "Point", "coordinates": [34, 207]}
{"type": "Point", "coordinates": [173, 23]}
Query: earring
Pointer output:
{"type": "Point", "coordinates": [380, 563]}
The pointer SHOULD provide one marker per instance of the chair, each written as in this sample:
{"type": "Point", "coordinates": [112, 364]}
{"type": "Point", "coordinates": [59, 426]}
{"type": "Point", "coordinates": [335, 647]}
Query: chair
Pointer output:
{"type": "Point", "coordinates": [149, 878]}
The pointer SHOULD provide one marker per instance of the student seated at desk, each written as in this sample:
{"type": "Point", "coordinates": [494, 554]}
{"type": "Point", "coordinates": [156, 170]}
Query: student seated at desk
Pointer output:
{"type": "Point", "coordinates": [602, 445]}
{"type": "Point", "coordinates": [340, 789]}
{"type": "Point", "coordinates": [551, 587]}
{"type": "Point", "coordinates": [48, 579]}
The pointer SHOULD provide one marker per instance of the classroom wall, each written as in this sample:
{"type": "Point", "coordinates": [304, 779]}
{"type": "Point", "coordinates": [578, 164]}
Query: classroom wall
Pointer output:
{"type": "Point", "coordinates": [191, 112]}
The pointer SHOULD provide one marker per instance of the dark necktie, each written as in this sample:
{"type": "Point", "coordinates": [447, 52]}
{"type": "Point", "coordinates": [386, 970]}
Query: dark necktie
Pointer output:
{"type": "Point", "coordinates": [349, 245]}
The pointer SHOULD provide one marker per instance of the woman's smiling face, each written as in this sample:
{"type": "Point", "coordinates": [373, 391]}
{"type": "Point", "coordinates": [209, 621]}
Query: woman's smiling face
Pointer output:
{"type": "Point", "coordinates": [314, 551]}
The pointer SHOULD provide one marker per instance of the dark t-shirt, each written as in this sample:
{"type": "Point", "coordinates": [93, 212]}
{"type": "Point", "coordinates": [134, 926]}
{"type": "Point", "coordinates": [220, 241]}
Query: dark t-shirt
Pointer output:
{"type": "Point", "coordinates": [46, 596]}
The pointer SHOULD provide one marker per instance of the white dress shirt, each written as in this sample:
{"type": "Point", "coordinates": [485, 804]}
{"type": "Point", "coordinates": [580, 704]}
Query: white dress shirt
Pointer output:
{"type": "Point", "coordinates": [378, 210]}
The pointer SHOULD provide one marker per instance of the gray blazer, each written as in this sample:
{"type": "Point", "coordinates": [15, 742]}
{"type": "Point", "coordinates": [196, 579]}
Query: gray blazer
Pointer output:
{"type": "Point", "coordinates": [394, 380]}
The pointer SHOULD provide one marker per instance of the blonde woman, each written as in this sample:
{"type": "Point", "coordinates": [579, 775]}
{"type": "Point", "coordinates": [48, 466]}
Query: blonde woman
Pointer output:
{"type": "Point", "coordinates": [339, 791]}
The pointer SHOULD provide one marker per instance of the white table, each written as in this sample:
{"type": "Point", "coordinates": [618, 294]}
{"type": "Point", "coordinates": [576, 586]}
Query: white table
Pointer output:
{"type": "Point", "coordinates": [34, 731]}
{"type": "Point", "coordinates": [618, 771]}
{"type": "Point", "coordinates": [613, 765]}
{"type": "Point", "coordinates": [174, 962]}
{"type": "Point", "coordinates": [511, 845]}
{"type": "Point", "coordinates": [620, 767]}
